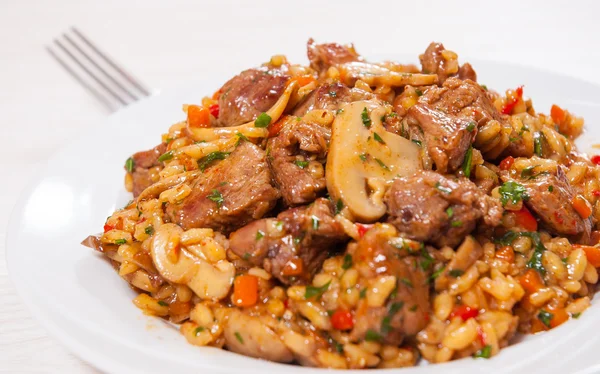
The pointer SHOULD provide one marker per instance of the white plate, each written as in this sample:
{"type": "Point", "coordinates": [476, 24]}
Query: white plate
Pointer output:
{"type": "Point", "coordinates": [78, 297]}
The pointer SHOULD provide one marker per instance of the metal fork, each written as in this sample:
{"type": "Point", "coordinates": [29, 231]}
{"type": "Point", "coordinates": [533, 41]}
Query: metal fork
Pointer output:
{"type": "Point", "coordinates": [112, 85]}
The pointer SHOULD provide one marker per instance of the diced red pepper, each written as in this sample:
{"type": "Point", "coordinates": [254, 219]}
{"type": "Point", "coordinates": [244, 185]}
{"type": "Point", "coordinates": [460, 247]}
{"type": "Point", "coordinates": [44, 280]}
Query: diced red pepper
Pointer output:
{"type": "Point", "coordinates": [275, 127]}
{"type": "Point", "coordinates": [596, 159]}
{"type": "Point", "coordinates": [464, 312]}
{"type": "Point", "coordinates": [506, 253]}
{"type": "Point", "coordinates": [107, 228]}
{"type": "Point", "coordinates": [342, 320]}
{"type": "Point", "coordinates": [214, 110]}
{"type": "Point", "coordinates": [525, 219]}
{"type": "Point", "coordinates": [592, 254]}
{"type": "Point", "coordinates": [362, 229]}
{"type": "Point", "coordinates": [481, 335]}
{"type": "Point", "coordinates": [507, 163]}
{"type": "Point", "coordinates": [510, 105]}
{"type": "Point", "coordinates": [531, 281]}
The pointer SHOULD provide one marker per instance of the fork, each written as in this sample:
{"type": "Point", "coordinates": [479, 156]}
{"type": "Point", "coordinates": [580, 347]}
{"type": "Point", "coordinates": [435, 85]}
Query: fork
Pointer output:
{"type": "Point", "coordinates": [112, 85]}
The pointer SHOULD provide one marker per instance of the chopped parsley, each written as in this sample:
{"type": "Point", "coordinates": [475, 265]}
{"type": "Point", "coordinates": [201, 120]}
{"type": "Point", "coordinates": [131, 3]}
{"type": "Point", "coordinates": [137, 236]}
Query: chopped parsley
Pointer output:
{"type": "Point", "coordinates": [535, 262]}
{"type": "Point", "coordinates": [551, 188]}
{"type": "Point", "coordinates": [427, 260]}
{"type": "Point", "coordinates": [363, 157]}
{"type": "Point", "coordinates": [456, 223]}
{"type": "Point", "coordinates": [239, 338]}
{"type": "Point", "coordinates": [339, 206]}
{"type": "Point", "coordinates": [332, 93]}
{"type": "Point", "coordinates": [259, 234]}
{"type": "Point", "coordinates": [441, 188]}
{"type": "Point", "coordinates": [382, 164]}
{"type": "Point", "coordinates": [456, 273]}
{"type": "Point", "coordinates": [406, 282]}
{"type": "Point", "coordinates": [414, 308]}
{"type": "Point", "coordinates": [315, 222]}
{"type": "Point", "coordinates": [129, 165]}
{"type": "Point", "coordinates": [339, 111]}
{"type": "Point", "coordinates": [483, 86]}
{"type": "Point", "coordinates": [449, 212]}
{"type": "Point", "coordinates": [471, 126]}
{"type": "Point", "coordinates": [217, 197]}
{"type": "Point", "coordinates": [545, 317]}
{"type": "Point", "coordinates": [149, 230]}
{"type": "Point", "coordinates": [528, 171]}
{"type": "Point", "coordinates": [120, 241]}
{"type": "Point", "coordinates": [246, 256]}
{"type": "Point", "coordinates": [537, 144]}
{"type": "Point", "coordinates": [513, 192]}
{"type": "Point", "coordinates": [241, 137]}
{"type": "Point", "coordinates": [162, 303]}
{"type": "Point", "coordinates": [419, 92]}
{"type": "Point", "coordinates": [166, 156]}
{"type": "Point", "coordinates": [362, 294]}
{"type": "Point", "coordinates": [378, 138]}
{"type": "Point", "coordinates": [347, 262]}
{"type": "Point", "coordinates": [213, 156]}
{"type": "Point", "coordinates": [263, 120]}
{"type": "Point", "coordinates": [437, 273]}
{"type": "Point", "coordinates": [301, 164]}
{"type": "Point", "coordinates": [466, 166]}
{"type": "Point", "coordinates": [373, 336]}
{"type": "Point", "coordinates": [576, 315]}
{"type": "Point", "coordinates": [198, 330]}
{"type": "Point", "coordinates": [365, 118]}
{"type": "Point", "coordinates": [312, 291]}
{"type": "Point", "coordinates": [385, 322]}
{"type": "Point", "coordinates": [417, 142]}
{"type": "Point", "coordinates": [485, 352]}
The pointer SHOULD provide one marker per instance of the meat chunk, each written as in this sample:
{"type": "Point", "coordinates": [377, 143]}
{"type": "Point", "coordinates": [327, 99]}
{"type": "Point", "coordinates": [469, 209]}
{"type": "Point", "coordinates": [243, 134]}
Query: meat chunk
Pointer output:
{"type": "Point", "coordinates": [322, 56]}
{"type": "Point", "coordinates": [437, 209]}
{"type": "Point", "coordinates": [446, 137]}
{"type": "Point", "coordinates": [551, 205]}
{"type": "Point", "coordinates": [250, 93]}
{"type": "Point", "coordinates": [230, 194]}
{"type": "Point", "coordinates": [252, 336]}
{"type": "Point", "coordinates": [444, 63]}
{"type": "Point", "coordinates": [293, 246]}
{"type": "Point", "coordinates": [327, 96]}
{"type": "Point", "coordinates": [142, 162]}
{"type": "Point", "coordinates": [296, 157]}
{"type": "Point", "coordinates": [405, 312]}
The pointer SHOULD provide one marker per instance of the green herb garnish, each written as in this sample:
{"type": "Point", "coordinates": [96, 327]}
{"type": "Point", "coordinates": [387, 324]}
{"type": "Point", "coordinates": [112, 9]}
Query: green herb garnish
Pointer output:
{"type": "Point", "coordinates": [259, 234]}
{"type": "Point", "coordinates": [129, 165]}
{"type": "Point", "coordinates": [545, 317]}
{"type": "Point", "coordinates": [443, 189]}
{"type": "Point", "coordinates": [378, 138]}
{"type": "Point", "coordinates": [373, 336]}
{"type": "Point", "coordinates": [166, 156]}
{"type": "Point", "coordinates": [339, 206]}
{"type": "Point", "coordinates": [301, 164]}
{"type": "Point", "coordinates": [513, 192]}
{"type": "Point", "coordinates": [365, 118]}
{"type": "Point", "coordinates": [213, 156]}
{"type": "Point", "coordinates": [406, 282]}
{"type": "Point", "coordinates": [449, 212]}
{"type": "Point", "coordinates": [198, 330]}
{"type": "Point", "coordinates": [456, 223]}
{"type": "Point", "coordinates": [120, 241]}
{"type": "Point", "coordinates": [456, 273]}
{"type": "Point", "coordinates": [217, 197]}
{"type": "Point", "coordinates": [263, 120]}
{"type": "Point", "coordinates": [239, 338]}
{"type": "Point", "coordinates": [466, 166]}
{"type": "Point", "coordinates": [471, 126]}
{"type": "Point", "coordinates": [315, 222]}
{"type": "Point", "coordinates": [417, 142]}
{"type": "Point", "coordinates": [484, 352]}
{"type": "Point", "coordinates": [381, 164]}
{"type": "Point", "coordinates": [362, 294]}
{"type": "Point", "coordinates": [162, 303]}
{"type": "Point", "coordinates": [149, 230]}
{"type": "Point", "coordinates": [312, 291]}
{"type": "Point", "coordinates": [363, 157]}
{"type": "Point", "coordinates": [347, 262]}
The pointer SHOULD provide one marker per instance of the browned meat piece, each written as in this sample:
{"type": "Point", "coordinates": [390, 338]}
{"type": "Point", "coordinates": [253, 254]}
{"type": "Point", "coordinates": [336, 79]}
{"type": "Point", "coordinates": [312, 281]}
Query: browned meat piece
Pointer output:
{"type": "Point", "coordinates": [292, 246]}
{"type": "Point", "coordinates": [445, 65]}
{"type": "Point", "coordinates": [230, 194]}
{"type": "Point", "coordinates": [437, 209]}
{"type": "Point", "coordinates": [299, 178]}
{"type": "Point", "coordinates": [250, 93]}
{"type": "Point", "coordinates": [322, 56]}
{"type": "Point", "coordinates": [405, 312]}
{"type": "Point", "coordinates": [446, 137]}
{"type": "Point", "coordinates": [553, 205]}
{"type": "Point", "coordinates": [327, 96]}
{"type": "Point", "coordinates": [142, 161]}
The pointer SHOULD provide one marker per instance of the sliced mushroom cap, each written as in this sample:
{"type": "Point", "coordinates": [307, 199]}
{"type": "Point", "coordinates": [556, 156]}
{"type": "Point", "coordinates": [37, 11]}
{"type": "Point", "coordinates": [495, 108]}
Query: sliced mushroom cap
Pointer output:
{"type": "Point", "coordinates": [206, 280]}
{"type": "Point", "coordinates": [377, 75]}
{"type": "Point", "coordinates": [363, 158]}
{"type": "Point", "coordinates": [252, 337]}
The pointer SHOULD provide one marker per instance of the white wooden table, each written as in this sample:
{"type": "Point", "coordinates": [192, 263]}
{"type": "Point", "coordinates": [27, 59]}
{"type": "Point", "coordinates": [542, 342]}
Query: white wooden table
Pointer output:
{"type": "Point", "coordinates": [168, 43]}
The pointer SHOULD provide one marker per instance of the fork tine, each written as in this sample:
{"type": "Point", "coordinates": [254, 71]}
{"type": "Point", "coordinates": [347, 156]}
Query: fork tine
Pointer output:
{"type": "Point", "coordinates": [100, 68]}
{"type": "Point", "coordinates": [90, 73]}
{"type": "Point", "coordinates": [121, 71]}
{"type": "Point", "coordinates": [81, 81]}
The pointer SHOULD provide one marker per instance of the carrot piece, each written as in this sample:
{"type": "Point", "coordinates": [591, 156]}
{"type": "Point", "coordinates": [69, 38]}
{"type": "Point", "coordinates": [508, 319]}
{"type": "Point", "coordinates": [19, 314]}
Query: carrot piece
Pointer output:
{"type": "Point", "coordinates": [557, 113]}
{"type": "Point", "coordinates": [582, 206]}
{"type": "Point", "coordinates": [275, 127]}
{"type": "Point", "coordinates": [506, 253]}
{"type": "Point", "coordinates": [507, 163]}
{"type": "Point", "coordinates": [107, 228]}
{"type": "Point", "coordinates": [531, 281]}
{"type": "Point", "coordinates": [592, 254]}
{"type": "Point", "coordinates": [198, 116]}
{"type": "Point", "coordinates": [303, 80]}
{"type": "Point", "coordinates": [342, 320]}
{"type": "Point", "coordinates": [537, 326]}
{"type": "Point", "coordinates": [525, 219]}
{"type": "Point", "coordinates": [245, 290]}
{"type": "Point", "coordinates": [560, 316]}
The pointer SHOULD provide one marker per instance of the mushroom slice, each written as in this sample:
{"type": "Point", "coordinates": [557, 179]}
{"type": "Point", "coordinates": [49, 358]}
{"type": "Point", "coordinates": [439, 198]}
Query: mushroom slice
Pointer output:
{"type": "Point", "coordinates": [206, 280]}
{"type": "Point", "coordinates": [376, 75]}
{"type": "Point", "coordinates": [164, 184]}
{"type": "Point", "coordinates": [363, 158]}
{"type": "Point", "coordinates": [247, 129]}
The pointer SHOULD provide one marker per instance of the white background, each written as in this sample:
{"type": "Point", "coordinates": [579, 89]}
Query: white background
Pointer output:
{"type": "Point", "coordinates": [169, 43]}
